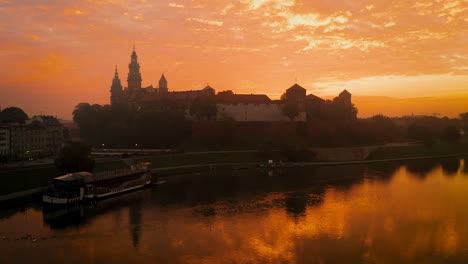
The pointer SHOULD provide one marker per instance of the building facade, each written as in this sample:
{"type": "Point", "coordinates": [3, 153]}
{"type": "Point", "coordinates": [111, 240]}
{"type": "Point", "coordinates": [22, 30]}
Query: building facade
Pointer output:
{"type": "Point", "coordinates": [38, 137]}
{"type": "Point", "coordinates": [4, 141]}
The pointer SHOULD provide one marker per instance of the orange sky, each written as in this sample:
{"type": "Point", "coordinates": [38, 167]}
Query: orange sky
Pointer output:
{"type": "Point", "coordinates": [396, 57]}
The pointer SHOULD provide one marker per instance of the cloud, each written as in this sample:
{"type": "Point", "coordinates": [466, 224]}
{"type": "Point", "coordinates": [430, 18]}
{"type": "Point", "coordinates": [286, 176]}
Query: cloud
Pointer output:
{"type": "Point", "coordinates": [77, 12]}
{"type": "Point", "coordinates": [230, 41]}
{"type": "Point", "coordinates": [176, 5]}
{"type": "Point", "coordinates": [32, 36]}
{"type": "Point", "coordinates": [205, 21]}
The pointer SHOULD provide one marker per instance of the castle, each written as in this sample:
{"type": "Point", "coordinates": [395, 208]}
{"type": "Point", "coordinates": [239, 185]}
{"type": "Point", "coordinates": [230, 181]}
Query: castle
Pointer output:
{"type": "Point", "coordinates": [240, 107]}
{"type": "Point", "coordinates": [136, 95]}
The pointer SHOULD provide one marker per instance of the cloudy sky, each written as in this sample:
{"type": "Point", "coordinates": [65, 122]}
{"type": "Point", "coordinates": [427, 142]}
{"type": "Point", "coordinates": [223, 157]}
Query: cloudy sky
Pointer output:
{"type": "Point", "coordinates": [396, 57]}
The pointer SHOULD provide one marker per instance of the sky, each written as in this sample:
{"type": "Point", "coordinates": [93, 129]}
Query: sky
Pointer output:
{"type": "Point", "coordinates": [396, 57]}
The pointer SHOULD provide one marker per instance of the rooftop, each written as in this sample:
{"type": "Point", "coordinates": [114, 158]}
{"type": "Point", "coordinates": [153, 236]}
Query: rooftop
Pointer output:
{"type": "Point", "coordinates": [243, 98]}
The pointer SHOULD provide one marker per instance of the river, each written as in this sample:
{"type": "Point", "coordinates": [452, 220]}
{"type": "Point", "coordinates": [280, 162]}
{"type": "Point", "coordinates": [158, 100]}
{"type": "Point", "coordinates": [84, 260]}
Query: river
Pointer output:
{"type": "Point", "coordinates": [407, 212]}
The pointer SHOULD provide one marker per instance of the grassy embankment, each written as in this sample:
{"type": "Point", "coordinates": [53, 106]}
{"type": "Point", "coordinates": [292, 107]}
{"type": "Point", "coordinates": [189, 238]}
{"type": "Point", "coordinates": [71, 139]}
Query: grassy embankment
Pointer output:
{"type": "Point", "coordinates": [22, 179]}
{"type": "Point", "coordinates": [437, 149]}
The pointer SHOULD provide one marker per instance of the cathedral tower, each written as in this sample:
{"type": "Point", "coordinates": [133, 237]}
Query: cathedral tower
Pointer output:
{"type": "Point", "coordinates": [134, 76]}
{"type": "Point", "coordinates": [163, 84]}
{"type": "Point", "coordinates": [116, 89]}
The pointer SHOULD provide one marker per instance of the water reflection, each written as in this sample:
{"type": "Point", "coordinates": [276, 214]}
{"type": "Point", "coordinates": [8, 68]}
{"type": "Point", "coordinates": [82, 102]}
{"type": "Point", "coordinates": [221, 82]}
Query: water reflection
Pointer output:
{"type": "Point", "coordinates": [422, 168]}
{"type": "Point", "coordinates": [407, 212]}
{"type": "Point", "coordinates": [135, 223]}
{"type": "Point", "coordinates": [450, 167]}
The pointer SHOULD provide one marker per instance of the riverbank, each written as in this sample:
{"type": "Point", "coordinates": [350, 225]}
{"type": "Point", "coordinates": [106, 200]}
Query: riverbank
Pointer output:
{"type": "Point", "coordinates": [21, 179]}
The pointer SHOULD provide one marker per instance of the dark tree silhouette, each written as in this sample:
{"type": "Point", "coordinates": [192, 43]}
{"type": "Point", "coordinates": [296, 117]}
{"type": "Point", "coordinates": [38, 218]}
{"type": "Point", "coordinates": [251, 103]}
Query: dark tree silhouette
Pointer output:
{"type": "Point", "coordinates": [291, 110]}
{"type": "Point", "coordinates": [464, 121]}
{"type": "Point", "coordinates": [204, 108]}
{"type": "Point", "coordinates": [13, 114]}
{"type": "Point", "coordinates": [450, 133]}
{"type": "Point", "coordinates": [75, 157]}
{"type": "Point", "coordinates": [228, 92]}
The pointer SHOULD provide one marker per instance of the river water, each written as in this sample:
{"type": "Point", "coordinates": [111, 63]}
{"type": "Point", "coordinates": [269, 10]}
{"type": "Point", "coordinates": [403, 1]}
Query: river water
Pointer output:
{"type": "Point", "coordinates": [413, 212]}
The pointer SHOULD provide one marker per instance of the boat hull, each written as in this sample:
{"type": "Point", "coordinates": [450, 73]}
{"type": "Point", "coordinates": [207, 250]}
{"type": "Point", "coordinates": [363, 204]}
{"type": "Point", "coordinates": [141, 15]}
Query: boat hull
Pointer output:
{"type": "Point", "coordinates": [92, 191]}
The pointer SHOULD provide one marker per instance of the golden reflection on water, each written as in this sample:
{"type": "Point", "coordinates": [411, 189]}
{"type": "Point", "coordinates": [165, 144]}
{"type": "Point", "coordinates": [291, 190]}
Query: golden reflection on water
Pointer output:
{"type": "Point", "coordinates": [408, 218]}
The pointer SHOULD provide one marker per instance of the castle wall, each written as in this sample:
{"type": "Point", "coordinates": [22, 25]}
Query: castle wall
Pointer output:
{"type": "Point", "coordinates": [245, 112]}
{"type": "Point", "coordinates": [242, 131]}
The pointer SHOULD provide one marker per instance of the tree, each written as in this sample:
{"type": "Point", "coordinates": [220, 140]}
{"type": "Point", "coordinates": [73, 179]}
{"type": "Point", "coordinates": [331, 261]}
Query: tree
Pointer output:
{"type": "Point", "coordinates": [464, 119]}
{"type": "Point", "coordinates": [338, 110]}
{"type": "Point", "coordinates": [228, 92]}
{"type": "Point", "coordinates": [450, 133]}
{"type": "Point", "coordinates": [13, 114]}
{"type": "Point", "coordinates": [3, 159]}
{"type": "Point", "coordinates": [422, 133]}
{"type": "Point", "coordinates": [381, 128]}
{"type": "Point", "coordinates": [291, 109]}
{"type": "Point", "coordinates": [75, 157]}
{"type": "Point", "coordinates": [204, 107]}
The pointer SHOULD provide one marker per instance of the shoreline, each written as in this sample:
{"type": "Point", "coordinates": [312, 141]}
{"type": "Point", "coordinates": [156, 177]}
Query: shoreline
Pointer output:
{"type": "Point", "coordinates": [15, 197]}
{"type": "Point", "coordinates": [313, 163]}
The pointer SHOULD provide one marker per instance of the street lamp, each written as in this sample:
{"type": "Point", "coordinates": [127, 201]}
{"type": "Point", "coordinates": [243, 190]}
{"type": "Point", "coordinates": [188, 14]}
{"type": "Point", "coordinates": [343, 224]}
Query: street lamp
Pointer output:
{"type": "Point", "coordinates": [136, 147]}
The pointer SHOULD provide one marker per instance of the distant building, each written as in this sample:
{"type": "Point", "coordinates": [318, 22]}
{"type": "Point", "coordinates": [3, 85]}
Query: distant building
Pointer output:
{"type": "Point", "coordinates": [4, 141]}
{"type": "Point", "coordinates": [28, 141]}
{"type": "Point", "coordinates": [38, 137]}
{"type": "Point", "coordinates": [240, 107]}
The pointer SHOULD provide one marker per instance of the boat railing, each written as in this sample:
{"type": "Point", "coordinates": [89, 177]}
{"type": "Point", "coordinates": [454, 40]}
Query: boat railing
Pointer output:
{"type": "Point", "coordinates": [118, 173]}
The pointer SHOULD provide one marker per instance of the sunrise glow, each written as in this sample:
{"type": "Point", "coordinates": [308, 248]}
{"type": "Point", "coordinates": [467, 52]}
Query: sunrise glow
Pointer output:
{"type": "Point", "coordinates": [395, 57]}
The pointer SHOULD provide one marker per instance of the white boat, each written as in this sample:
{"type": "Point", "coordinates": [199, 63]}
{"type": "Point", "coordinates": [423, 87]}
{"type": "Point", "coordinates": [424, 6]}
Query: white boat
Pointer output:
{"type": "Point", "coordinates": [85, 186]}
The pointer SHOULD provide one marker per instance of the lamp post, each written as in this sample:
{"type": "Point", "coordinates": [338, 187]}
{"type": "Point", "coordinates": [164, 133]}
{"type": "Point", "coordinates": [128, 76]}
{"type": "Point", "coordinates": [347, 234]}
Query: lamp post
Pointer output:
{"type": "Point", "coordinates": [136, 147]}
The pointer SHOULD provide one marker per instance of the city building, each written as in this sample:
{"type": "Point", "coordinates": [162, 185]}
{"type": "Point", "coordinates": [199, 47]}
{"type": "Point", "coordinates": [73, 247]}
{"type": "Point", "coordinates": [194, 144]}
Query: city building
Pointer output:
{"type": "Point", "coordinates": [38, 137]}
{"type": "Point", "coordinates": [4, 141]}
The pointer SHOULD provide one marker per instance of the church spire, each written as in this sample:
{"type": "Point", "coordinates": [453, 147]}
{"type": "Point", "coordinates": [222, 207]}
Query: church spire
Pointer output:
{"type": "Point", "coordinates": [116, 88]}
{"type": "Point", "coordinates": [134, 76]}
{"type": "Point", "coordinates": [163, 84]}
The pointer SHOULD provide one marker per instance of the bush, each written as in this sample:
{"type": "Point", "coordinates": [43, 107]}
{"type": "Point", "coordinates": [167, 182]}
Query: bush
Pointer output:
{"type": "Point", "coordinates": [75, 157]}
{"type": "Point", "coordinates": [450, 133]}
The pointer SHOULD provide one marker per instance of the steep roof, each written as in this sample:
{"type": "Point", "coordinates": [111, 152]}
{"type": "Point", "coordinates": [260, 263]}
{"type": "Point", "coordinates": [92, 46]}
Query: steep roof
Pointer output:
{"type": "Point", "coordinates": [296, 87]}
{"type": "Point", "coordinates": [243, 98]}
{"type": "Point", "coordinates": [314, 97]}
{"type": "Point", "coordinates": [345, 92]}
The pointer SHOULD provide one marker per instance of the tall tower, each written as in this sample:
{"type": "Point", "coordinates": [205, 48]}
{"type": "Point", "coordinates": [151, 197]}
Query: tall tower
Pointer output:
{"type": "Point", "coordinates": [163, 84]}
{"type": "Point", "coordinates": [134, 76]}
{"type": "Point", "coordinates": [116, 89]}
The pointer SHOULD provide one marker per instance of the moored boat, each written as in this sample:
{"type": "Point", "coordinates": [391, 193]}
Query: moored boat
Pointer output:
{"type": "Point", "coordinates": [85, 186]}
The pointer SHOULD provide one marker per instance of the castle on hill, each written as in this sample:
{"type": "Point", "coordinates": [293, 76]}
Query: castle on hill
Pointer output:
{"type": "Point", "coordinates": [240, 107]}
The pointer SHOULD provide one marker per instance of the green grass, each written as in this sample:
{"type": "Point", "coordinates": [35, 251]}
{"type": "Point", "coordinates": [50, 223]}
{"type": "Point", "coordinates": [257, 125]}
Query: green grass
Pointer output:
{"type": "Point", "coordinates": [204, 158]}
{"type": "Point", "coordinates": [19, 180]}
{"type": "Point", "coordinates": [438, 148]}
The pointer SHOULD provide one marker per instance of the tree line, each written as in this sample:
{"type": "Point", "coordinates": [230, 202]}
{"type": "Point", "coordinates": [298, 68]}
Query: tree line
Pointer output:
{"type": "Point", "coordinates": [123, 126]}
